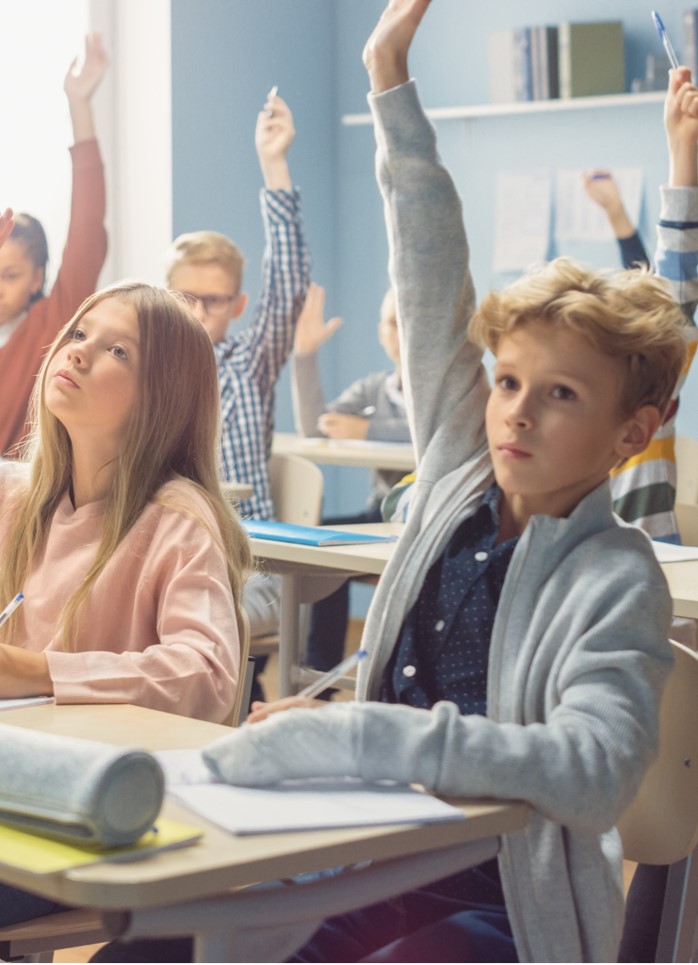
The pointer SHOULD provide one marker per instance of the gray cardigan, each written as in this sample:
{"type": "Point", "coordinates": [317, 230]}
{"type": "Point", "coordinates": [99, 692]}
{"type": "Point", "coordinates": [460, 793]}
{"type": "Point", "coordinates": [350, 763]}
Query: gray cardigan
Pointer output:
{"type": "Point", "coordinates": [579, 650]}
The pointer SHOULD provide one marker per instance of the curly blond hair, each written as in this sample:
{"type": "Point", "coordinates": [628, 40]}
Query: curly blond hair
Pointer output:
{"type": "Point", "coordinates": [629, 315]}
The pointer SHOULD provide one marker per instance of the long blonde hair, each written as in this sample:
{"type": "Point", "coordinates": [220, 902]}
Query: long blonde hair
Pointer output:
{"type": "Point", "coordinates": [172, 433]}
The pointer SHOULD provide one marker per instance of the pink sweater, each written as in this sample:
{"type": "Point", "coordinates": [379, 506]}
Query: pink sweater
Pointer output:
{"type": "Point", "coordinates": [159, 627]}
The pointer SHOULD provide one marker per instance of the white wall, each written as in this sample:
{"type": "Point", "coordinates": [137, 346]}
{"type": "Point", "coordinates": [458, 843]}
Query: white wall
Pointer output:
{"type": "Point", "coordinates": [40, 39]}
{"type": "Point", "coordinates": [135, 127]}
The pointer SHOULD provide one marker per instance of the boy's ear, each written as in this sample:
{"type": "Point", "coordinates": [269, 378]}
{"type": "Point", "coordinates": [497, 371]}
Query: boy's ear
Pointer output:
{"type": "Point", "coordinates": [638, 431]}
{"type": "Point", "coordinates": [239, 305]}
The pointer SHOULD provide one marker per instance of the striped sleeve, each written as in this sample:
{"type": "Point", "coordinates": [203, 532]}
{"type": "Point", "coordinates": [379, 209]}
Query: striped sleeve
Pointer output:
{"type": "Point", "coordinates": [644, 488]}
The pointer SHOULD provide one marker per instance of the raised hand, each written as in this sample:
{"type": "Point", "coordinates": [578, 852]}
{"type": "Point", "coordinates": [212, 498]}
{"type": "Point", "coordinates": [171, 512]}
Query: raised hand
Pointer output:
{"type": "Point", "coordinates": [681, 125]}
{"type": "Point", "coordinates": [81, 84]}
{"type": "Point", "coordinates": [311, 329]}
{"type": "Point", "coordinates": [385, 53]}
{"type": "Point", "coordinates": [603, 190]}
{"type": "Point", "coordinates": [274, 135]}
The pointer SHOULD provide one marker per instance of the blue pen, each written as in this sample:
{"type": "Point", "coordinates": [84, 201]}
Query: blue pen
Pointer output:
{"type": "Point", "coordinates": [10, 608]}
{"type": "Point", "coordinates": [661, 30]}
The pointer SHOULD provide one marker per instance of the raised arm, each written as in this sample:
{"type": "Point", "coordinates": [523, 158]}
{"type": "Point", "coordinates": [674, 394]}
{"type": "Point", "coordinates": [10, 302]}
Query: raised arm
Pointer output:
{"type": "Point", "coordinates": [311, 332]}
{"type": "Point", "coordinates": [285, 266]}
{"type": "Point", "coordinates": [677, 233]}
{"type": "Point", "coordinates": [445, 387]}
{"type": "Point", "coordinates": [602, 188]}
{"type": "Point", "coordinates": [86, 244]}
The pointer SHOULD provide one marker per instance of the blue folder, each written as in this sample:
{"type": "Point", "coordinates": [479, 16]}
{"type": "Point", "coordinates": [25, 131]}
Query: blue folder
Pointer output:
{"type": "Point", "coordinates": [308, 535]}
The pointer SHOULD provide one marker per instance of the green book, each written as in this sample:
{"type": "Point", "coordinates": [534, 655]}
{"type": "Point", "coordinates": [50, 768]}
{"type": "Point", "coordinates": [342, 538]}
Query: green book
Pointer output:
{"type": "Point", "coordinates": [591, 58]}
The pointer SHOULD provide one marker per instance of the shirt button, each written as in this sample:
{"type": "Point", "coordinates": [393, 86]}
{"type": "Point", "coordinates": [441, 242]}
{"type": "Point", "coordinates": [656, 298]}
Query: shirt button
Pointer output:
{"type": "Point", "coordinates": [481, 556]}
{"type": "Point", "coordinates": [439, 626]}
{"type": "Point", "coordinates": [409, 670]}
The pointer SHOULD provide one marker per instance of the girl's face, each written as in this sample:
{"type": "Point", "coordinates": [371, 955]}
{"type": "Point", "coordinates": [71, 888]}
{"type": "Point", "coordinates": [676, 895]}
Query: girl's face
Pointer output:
{"type": "Point", "coordinates": [19, 280]}
{"type": "Point", "coordinates": [91, 383]}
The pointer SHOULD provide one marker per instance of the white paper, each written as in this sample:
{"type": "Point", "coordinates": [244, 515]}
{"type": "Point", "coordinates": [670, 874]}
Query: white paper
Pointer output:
{"type": "Point", "coordinates": [312, 805]}
{"type": "Point", "coordinates": [671, 553]}
{"type": "Point", "coordinates": [578, 218]}
{"type": "Point", "coordinates": [184, 767]}
{"type": "Point", "coordinates": [522, 220]}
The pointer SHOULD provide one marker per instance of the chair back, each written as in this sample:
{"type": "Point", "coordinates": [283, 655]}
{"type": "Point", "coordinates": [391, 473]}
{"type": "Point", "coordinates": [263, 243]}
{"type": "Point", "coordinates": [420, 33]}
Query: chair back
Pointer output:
{"type": "Point", "coordinates": [687, 521]}
{"type": "Point", "coordinates": [686, 470]}
{"type": "Point", "coordinates": [661, 824]}
{"type": "Point", "coordinates": [296, 489]}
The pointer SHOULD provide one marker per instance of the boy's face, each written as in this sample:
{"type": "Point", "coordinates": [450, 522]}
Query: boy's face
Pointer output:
{"type": "Point", "coordinates": [216, 300]}
{"type": "Point", "coordinates": [553, 422]}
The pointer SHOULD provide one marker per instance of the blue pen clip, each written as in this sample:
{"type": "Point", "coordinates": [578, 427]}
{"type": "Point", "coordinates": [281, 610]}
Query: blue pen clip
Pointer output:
{"type": "Point", "coordinates": [661, 30]}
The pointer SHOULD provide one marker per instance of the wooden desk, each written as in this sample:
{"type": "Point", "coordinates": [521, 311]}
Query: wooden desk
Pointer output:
{"type": "Point", "coordinates": [351, 452]}
{"type": "Point", "coordinates": [190, 881]}
{"type": "Point", "coordinates": [310, 573]}
{"type": "Point", "coordinates": [682, 578]}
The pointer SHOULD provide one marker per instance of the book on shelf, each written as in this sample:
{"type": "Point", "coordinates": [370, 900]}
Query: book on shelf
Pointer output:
{"type": "Point", "coordinates": [309, 535]}
{"type": "Point", "coordinates": [509, 62]}
{"type": "Point", "coordinates": [591, 58]}
{"type": "Point", "coordinates": [523, 64]}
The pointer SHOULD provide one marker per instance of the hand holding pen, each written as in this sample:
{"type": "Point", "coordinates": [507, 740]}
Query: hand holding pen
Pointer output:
{"type": "Point", "coordinates": [306, 697]}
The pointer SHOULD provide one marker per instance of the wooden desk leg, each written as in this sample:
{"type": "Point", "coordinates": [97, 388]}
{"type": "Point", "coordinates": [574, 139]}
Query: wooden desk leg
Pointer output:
{"type": "Point", "coordinates": [289, 632]}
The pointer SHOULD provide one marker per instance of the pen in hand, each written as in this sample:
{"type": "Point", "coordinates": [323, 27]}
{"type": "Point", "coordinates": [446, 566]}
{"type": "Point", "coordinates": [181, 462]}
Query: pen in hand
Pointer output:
{"type": "Point", "coordinates": [10, 608]}
{"type": "Point", "coordinates": [661, 30]}
{"type": "Point", "coordinates": [327, 679]}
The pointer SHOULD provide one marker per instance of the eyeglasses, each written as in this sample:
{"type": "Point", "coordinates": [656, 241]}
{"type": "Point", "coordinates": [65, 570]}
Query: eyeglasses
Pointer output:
{"type": "Point", "coordinates": [212, 304]}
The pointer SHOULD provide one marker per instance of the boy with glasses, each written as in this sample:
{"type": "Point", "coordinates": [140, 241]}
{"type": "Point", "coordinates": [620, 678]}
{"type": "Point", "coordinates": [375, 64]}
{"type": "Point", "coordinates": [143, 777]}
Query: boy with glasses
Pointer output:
{"type": "Point", "coordinates": [208, 267]}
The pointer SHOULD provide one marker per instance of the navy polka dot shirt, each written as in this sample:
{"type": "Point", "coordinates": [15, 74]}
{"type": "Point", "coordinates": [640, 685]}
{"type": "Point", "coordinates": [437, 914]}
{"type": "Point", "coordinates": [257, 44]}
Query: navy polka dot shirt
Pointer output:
{"type": "Point", "coordinates": [444, 644]}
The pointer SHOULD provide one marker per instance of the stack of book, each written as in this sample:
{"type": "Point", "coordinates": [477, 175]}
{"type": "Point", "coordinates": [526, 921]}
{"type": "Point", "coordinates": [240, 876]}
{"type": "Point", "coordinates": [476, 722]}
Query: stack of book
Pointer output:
{"type": "Point", "coordinates": [566, 60]}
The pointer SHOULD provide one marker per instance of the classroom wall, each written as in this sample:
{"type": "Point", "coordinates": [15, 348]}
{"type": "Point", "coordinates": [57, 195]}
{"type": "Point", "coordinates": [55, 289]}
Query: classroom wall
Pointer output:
{"type": "Point", "coordinates": [226, 54]}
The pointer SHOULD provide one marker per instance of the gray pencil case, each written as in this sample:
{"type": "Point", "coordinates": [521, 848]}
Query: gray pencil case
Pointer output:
{"type": "Point", "coordinates": [79, 791]}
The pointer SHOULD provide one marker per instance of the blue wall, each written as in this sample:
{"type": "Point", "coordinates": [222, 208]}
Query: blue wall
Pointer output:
{"type": "Point", "coordinates": [226, 55]}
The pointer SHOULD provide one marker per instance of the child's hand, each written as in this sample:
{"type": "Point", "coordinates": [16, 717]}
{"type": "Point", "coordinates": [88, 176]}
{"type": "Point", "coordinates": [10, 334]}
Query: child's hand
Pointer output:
{"type": "Point", "coordinates": [81, 85]}
{"type": "Point", "coordinates": [602, 188]}
{"type": "Point", "coordinates": [339, 425]}
{"type": "Point", "coordinates": [681, 125]}
{"type": "Point", "coordinates": [7, 223]}
{"type": "Point", "coordinates": [311, 328]}
{"type": "Point", "coordinates": [273, 137]}
{"type": "Point", "coordinates": [385, 53]}
{"type": "Point", "coordinates": [261, 710]}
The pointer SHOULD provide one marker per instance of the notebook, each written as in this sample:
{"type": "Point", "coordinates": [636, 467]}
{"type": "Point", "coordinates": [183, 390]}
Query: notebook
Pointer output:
{"type": "Point", "coordinates": [308, 535]}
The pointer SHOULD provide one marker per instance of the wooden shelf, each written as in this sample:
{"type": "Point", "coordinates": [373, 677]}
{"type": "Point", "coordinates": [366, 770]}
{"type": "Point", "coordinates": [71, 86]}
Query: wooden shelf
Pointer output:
{"type": "Point", "coordinates": [479, 111]}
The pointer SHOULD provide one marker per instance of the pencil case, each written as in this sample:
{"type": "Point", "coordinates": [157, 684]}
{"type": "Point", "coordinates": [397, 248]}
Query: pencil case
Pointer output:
{"type": "Point", "coordinates": [79, 791]}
